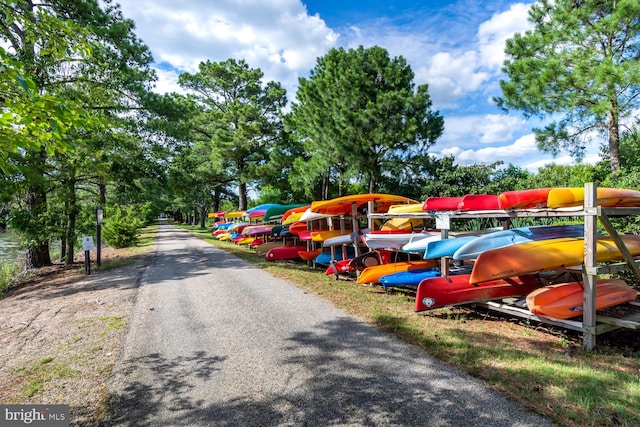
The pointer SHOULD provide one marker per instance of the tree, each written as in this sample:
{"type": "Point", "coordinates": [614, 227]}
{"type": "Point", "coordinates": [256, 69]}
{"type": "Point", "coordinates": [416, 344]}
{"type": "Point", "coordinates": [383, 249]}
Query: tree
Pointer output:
{"type": "Point", "coordinates": [359, 112]}
{"type": "Point", "coordinates": [581, 64]}
{"type": "Point", "coordinates": [75, 51]}
{"type": "Point", "coordinates": [240, 118]}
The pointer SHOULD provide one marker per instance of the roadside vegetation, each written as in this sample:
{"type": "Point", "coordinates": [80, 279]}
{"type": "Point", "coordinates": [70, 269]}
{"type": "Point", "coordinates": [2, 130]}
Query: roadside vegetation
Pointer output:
{"type": "Point", "coordinates": [542, 367]}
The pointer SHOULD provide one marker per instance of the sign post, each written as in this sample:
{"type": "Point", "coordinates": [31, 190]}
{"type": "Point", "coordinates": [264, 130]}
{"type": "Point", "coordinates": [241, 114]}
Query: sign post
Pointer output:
{"type": "Point", "coordinates": [87, 245]}
{"type": "Point", "coordinates": [99, 217]}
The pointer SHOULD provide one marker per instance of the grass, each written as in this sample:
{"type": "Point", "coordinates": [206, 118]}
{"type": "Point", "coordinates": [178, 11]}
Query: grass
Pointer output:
{"type": "Point", "coordinates": [544, 369]}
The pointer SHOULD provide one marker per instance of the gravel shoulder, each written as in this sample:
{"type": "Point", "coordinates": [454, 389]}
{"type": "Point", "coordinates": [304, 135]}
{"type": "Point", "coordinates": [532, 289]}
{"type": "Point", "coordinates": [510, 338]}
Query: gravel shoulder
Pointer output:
{"type": "Point", "coordinates": [61, 333]}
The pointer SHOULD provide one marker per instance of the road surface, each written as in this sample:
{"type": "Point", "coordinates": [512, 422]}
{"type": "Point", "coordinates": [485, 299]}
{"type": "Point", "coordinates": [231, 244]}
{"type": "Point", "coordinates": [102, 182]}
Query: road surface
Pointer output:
{"type": "Point", "coordinates": [216, 341]}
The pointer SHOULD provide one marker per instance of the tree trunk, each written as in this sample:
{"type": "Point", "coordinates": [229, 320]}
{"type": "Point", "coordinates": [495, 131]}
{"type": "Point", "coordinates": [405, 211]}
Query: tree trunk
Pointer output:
{"type": "Point", "coordinates": [70, 232]}
{"type": "Point", "coordinates": [203, 214]}
{"type": "Point", "coordinates": [325, 188]}
{"type": "Point", "coordinates": [242, 196]}
{"type": "Point", "coordinates": [37, 254]}
{"type": "Point", "coordinates": [614, 138]}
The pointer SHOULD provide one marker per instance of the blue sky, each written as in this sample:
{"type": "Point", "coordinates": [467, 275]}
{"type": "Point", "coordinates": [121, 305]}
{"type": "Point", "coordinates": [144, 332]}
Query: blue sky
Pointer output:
{"type": "Point", "coordinates": [456, 47]}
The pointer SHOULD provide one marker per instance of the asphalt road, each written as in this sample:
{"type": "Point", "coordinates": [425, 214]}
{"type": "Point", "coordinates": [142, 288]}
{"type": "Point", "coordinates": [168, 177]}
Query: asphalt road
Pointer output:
{"type": "Point", "coordinates": [215, 341]}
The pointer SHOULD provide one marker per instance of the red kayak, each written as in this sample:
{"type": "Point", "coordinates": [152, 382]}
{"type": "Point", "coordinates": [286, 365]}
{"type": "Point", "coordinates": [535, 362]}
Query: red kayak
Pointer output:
{"type": "Point", "coordinates": [444, 291]}
{"type": "Point", "coordinates": [479, 202]}
{"type": "Point", "coordinates": [566, 300]}
{"type": "Point", "coordinates": [340, 267]}
{"type": "Point", "coordinates": [441, 204]}
{"type": "Point", "coordinates": [524, 199]}
{"type": "Point", "coordinates": [284, 252]}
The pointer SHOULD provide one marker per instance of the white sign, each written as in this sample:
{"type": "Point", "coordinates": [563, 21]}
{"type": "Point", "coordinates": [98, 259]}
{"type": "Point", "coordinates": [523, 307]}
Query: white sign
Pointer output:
{"type": "Point", "coordinates": [87, 243]}
{"type": "Point", "coordinates": [442, 221]}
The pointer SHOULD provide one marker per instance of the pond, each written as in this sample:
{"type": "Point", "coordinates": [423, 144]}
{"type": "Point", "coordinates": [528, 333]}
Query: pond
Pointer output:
{"type": "Point", "coordinates": [9, 247]}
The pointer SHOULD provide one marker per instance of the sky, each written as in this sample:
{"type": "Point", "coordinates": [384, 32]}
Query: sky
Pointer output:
{"type": "Point", "coordinates": [454, 46]}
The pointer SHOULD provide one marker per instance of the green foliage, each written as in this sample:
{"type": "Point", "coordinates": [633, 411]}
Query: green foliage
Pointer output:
{"type": "Point", "coordinates": [121, 228]}
{"type": "Point", "coordinates": [578, 66]}
{"type": "Point", "coordinates": [449, 179]}
{"type": "Point", "coordinates": [358, 115]}
{"type": "Point", "coordinates": [235, 125]}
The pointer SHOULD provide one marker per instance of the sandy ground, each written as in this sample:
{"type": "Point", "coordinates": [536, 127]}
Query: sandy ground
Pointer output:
{"type": "Point", "coordinates": [61, 333]}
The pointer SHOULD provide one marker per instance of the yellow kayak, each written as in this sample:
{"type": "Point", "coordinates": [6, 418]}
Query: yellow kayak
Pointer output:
{"type": "Point", "coordinates": [544, 255]}
{"type": "Point", "coordinates": [607, 197]}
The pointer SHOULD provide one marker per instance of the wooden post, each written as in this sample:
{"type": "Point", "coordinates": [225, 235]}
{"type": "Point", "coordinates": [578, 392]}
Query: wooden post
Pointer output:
{"type": "Point", "coordinates": [590, 262]}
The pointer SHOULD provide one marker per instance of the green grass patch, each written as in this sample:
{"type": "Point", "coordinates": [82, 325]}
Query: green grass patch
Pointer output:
{"type": "Point", "coordinates": [547, 372]}
{"type": "Point", "coordinates": [38, 373]}
{"type": "Point", "coordinates": [7, 272]}
{"type": "Point", "coordinates": [112, 323]}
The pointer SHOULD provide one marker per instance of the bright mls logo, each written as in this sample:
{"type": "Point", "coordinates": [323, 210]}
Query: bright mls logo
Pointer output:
{"type": "Point", "coordinates": [34, 415]}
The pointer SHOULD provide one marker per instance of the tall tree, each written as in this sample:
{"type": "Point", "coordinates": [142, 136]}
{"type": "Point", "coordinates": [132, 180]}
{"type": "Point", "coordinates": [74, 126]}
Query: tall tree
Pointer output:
{"type": "Point", "coordinates": [579, 65]}
{"type": "Point", "coordinates": [360, 111]}
{"type": "Point", "coordinates": [240, 117]}
{"type": "Point", "coordinates": [83, 51]}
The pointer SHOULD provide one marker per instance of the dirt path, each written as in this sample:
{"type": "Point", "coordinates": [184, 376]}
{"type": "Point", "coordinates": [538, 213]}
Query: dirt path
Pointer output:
{"type": "Point", "coordinates": [61, 334]}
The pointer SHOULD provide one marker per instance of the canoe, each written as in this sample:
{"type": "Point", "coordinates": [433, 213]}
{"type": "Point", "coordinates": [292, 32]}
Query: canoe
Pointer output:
{"type": "Point", "coordinates": [309, 255]}
{"type": "Point", "coordinates": [524, 199]}
{"type": "Point", "coordinates": [284, 252]}
{"type": "Point", "coordinates": [325, 257]}
{"type": "Point", "coordinates": [479, 202]}
{"type": "Point", "coordinates": [514, 236]}
{"type": "Point", "coordinates": [407, 279]}
{"type": "Point", "coordinates": [404, 223]}
{"type": "Point", "coordinates": [345, 239]}
{"type": "Point", "coordinates": [294, 217]}
{"type": "Point", "coordinates": [441, 203]}
{"type": "Point", "coordinates": [421, 244]}
{"type": "Point", "coordinates": [266, 247]}
{"type": "Point", "coordinates": [234, 214]}
{"type": "Point", "coordinates": [257, 230]}
{"type": "Point", "coordinates": [344, 205]}
{"type": "Point", "coordinates": [245, 240]}
{"type": "Point", "coordinates": [298, 210]}
{"type": "Point", "coordinates": [322, 235]}
{"type": "Point", "coordinates": [367, 259]}
{"type": "Point", "coordinates": [545, 255]}
{"type": "Point", "coordinates": [454, 290]}
{"type": "Point", "coordinates": [278, 211]}
{"type": "Point", "coordinates": [374, 273]}
{"type": "Point", "coordinates": [394, 239]}
{"type": "Point", "coordinates": [297, 227]}
{"type": "Point", "coordinates": [446, 247]}
{"type": "Point", "coordinates": [339, 267]}
{"type": "Point", "coordinates": [607, 197]}
{"type": "Point", "coordinates": [566, 300]}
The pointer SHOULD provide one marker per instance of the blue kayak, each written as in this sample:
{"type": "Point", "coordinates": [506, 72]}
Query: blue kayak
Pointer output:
{"type": "Point", "coordinates": [325, 257]}
{"type": "Point", "coordinates": [408, 279]}
{"type": "Point", "coordinates": [446, 247]}
{"type": "Point", "coordinates": [514, 236]}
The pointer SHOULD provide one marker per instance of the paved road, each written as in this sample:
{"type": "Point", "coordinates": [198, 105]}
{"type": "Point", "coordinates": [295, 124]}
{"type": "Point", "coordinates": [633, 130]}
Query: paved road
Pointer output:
{"type": "Point", "coordinates": [216, 341]}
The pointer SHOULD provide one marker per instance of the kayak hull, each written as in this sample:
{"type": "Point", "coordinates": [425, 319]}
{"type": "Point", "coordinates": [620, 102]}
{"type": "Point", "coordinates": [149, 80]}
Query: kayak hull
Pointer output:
{"type": "Point", "coordinates": [566, 300]}
{"type": "Point", "coordinates": [455, 290]}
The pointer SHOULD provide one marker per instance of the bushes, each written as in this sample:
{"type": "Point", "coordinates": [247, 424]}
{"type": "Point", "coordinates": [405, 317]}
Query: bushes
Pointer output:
{"type": "Point", "coordinates": [121, 228]}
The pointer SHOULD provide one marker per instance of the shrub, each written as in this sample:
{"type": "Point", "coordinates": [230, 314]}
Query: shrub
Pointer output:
{"type": "Point", "coordinates": [121, 229]}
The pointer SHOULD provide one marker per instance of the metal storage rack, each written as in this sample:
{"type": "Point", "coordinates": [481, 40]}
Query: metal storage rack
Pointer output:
{"type": "Point", "coordinates": [592, 324]}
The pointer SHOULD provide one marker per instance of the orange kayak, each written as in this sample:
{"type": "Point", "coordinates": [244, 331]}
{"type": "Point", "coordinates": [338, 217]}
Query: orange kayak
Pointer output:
{"type": "Point", "coordinates": [372, 274]}
{"type": "Point", "coordinates": [566, 300]}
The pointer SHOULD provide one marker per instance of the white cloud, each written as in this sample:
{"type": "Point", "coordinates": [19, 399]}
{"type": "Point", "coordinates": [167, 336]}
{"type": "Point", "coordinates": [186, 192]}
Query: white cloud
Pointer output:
{"type": "Point", "coordinates": [493, 34]}
{"type": "Point", "coordinates": [514, 153]}
{"type": "Point", "coordinates": [485, 128]}
{"type": "Point", "coordinates": [277, 36]}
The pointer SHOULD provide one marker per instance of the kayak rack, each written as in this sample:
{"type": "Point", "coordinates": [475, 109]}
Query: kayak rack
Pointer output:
{"type": "Point", "coordinates": [592, 324]}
